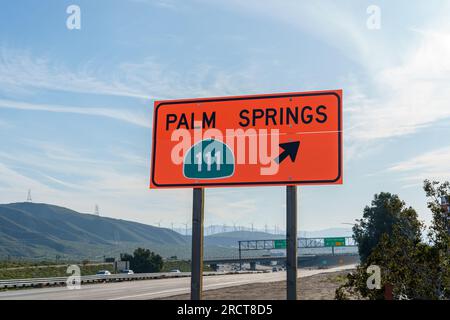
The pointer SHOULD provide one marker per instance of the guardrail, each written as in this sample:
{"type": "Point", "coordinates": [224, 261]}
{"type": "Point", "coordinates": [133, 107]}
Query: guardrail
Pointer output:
{"type": "Point", "coordinates": [42, 282]}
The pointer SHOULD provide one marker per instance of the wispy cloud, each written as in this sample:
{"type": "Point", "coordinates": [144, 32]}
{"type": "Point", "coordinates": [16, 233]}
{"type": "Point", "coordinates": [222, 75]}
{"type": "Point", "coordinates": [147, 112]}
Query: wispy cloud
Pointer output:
{"type": "Point", "coordinates": [113, 113]}
{"type": "Point", "coordinates": [63, 162]}
{"type": "Point", "coordinates": [23, 73]}
{"type": "Point", "coordinates": [407, 97]}
{"type": "Point", "coordinates": [431, 165]}
{"type": "Point", "coordinates": [165, 4]}
{"type": "Point", "coordinates": [12, 181]}
{"type": "Point", "coordinates": [334, 24]}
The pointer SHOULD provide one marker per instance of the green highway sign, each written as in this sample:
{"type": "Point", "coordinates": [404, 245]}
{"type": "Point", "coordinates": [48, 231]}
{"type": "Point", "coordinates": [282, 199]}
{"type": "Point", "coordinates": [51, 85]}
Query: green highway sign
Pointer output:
{"type": "Point", "coordinates": [279, 244]}
{"type": "Point", "coordinates": [334, 242]}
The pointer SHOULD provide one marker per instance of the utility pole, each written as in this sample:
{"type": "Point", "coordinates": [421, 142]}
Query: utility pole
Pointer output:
{"type": "Point", "coordinates": [185, 229]}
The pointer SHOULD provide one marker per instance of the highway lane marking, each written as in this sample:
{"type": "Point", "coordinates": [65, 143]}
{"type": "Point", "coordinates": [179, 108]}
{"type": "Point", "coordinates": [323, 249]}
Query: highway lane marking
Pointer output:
{"type": "Point", "coordinates": [226, 284]}
{"type": "Point", "coordinates": [181, 290]}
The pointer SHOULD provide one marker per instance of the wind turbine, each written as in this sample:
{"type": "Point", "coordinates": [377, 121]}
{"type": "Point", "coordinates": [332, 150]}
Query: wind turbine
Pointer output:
{"type": "Point", "coordinates": [185, 228]}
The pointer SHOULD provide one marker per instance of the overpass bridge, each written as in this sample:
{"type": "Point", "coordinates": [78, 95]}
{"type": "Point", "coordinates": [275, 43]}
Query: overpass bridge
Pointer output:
{"type": "Point", "coordinates": [313, 260]}
{"type": "Point", "coordinates": [251, 259]}
{"type": "Point", "coordinates": [312, 250]}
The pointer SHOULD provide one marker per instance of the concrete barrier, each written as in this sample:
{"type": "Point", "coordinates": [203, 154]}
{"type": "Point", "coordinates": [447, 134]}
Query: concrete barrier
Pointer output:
{"type": "Point", "coordinates": [41, 282]}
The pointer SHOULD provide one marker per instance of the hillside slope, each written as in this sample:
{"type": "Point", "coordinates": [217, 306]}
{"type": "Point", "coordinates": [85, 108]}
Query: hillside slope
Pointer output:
{"type": "Point", "coordinates": [33, 229]}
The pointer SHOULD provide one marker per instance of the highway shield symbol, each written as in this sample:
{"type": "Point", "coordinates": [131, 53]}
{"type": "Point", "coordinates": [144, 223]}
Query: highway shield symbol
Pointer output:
{"type": "Point", "coordinates": [209, 159]}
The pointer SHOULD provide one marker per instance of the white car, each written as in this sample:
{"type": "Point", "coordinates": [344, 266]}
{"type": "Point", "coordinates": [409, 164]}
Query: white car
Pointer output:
{"type": "Point", "coordinates": [103, 273]}
{"type": "Point", "coordinates": [127, 271]}
{"type": "Point", "coordinates": [175, 271]}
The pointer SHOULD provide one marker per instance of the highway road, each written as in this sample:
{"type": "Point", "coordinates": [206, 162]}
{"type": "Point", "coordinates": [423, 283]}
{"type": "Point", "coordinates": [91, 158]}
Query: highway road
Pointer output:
{"type": "Point", "coordinates": [150, 289]}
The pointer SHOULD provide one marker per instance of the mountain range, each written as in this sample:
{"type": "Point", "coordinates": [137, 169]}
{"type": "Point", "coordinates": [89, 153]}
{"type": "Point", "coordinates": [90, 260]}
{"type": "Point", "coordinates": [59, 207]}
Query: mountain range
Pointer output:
{"type": "Point", "coordinates": [34, 229]}
{"type": "Point", "coordinates": [43, 231]}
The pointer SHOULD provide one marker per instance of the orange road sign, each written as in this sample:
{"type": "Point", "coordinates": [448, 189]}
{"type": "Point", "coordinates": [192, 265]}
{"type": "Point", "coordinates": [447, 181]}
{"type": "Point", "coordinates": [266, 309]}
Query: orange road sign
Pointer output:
{"type": "Point", "coordinates": [272, 139]}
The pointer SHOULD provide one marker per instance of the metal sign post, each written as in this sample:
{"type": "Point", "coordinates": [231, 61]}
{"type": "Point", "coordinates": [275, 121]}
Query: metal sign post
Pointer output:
{"type": "Point", "coordinates": [291, 239]}
{"type": "Point", "coordinates": [197, 243]}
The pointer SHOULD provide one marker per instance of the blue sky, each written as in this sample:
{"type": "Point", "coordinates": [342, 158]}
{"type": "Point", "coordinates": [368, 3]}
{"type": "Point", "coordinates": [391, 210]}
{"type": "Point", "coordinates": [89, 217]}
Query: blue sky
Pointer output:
{"type": "Point", "coordinates": [76, 105]}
